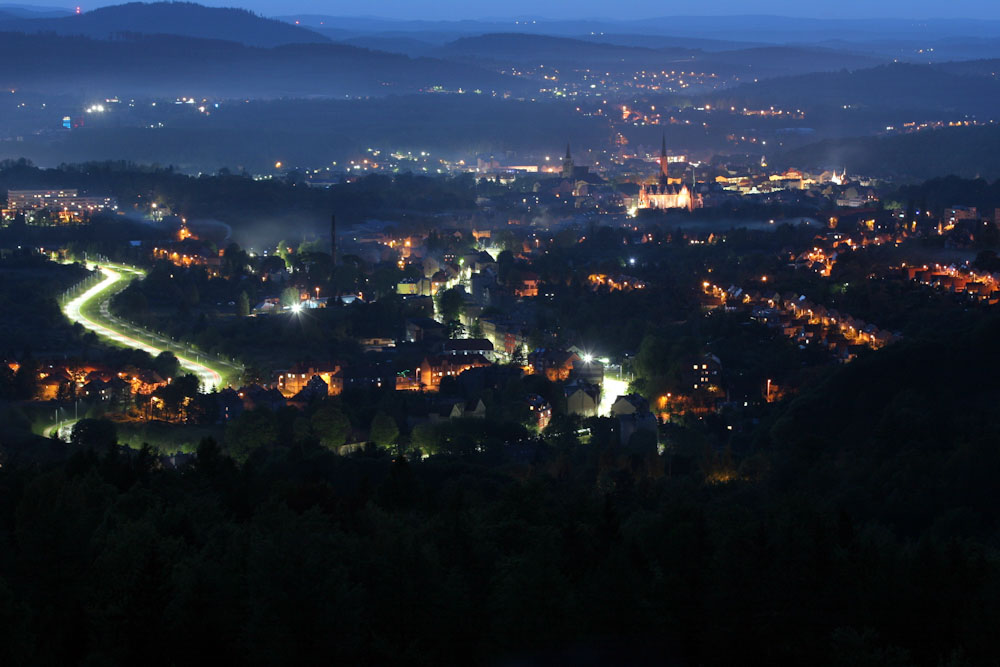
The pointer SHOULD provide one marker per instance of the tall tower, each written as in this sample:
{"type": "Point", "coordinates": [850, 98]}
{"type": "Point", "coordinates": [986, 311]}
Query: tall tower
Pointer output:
{"type": "Point", "coordinates": [567, 170]}
{"type": "Point", "coordinates": [664, 174]}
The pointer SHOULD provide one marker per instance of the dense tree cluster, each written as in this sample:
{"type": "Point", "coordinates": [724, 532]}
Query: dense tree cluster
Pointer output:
{"type": "Point", "coordinates": [821, 549]}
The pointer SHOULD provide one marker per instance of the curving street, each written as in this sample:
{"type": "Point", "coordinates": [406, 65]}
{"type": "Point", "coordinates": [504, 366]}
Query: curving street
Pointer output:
{"type": "Point", "coordinates": [114, 329]}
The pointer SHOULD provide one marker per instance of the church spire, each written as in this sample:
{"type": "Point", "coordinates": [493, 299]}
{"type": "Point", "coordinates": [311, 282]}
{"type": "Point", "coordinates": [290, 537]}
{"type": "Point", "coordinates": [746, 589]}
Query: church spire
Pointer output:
{"type": "Point", "coordinates": [664, 176]}
{"type": "Point", "coordinates": [567, 169]}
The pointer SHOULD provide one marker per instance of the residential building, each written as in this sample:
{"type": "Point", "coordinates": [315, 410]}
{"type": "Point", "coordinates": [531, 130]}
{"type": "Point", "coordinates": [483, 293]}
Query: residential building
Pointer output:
{"type": "Point", "coordinates": [582, 399]}
{"type": "Point", "coordinates": [433, 369]}
{"type": "Point", "coordinates": [464, 347]}
{"type": "Point", "coordinates": [541, 411]}
{"type": "Point", "coordinates": [294, 380]}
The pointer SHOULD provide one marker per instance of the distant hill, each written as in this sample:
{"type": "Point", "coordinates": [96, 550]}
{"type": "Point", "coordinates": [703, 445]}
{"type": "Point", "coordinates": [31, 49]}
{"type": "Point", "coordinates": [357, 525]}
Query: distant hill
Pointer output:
{"type": "Point", "coordinates": [923, 51]}
{"type": "Point", "coordinates": [759, 28]}
{"type": "Point", "coordinates": [662, 41]}
{"type": "Point", "coordinates": [392, 44]}
{"type": "Point", "coordinates": [793, 59]}
{"type": "Point", "coordinates": [755, 62]}
{"type": "Point", "coordinates": [172, 66]}
{"type": "Point", "coordinates": [989, 68]}
{"type": "Point", "coordinates": [172, 18]}
{"type": "Point", "coordinates": [32, 11]}
{"type": "Point", "coordinates": [521, 47]}
{"type": "Point", "coordinates": [901, 86]}
{"type": "Point", "coordinates": [963, 151]}
{"type": "Point", "coordinates": [313, 132]}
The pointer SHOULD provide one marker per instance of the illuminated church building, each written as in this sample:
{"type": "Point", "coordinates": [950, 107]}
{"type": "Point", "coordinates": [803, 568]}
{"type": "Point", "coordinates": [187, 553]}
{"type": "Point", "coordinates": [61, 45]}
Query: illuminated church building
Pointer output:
{"type": "Point", "coordinates": [664, 195]}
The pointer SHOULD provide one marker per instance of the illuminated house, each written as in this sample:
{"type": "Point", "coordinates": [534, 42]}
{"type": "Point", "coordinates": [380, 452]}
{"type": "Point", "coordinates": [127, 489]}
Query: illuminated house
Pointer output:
{"type": "Point", "coordinates": [582, 399]}
{"type": "Point", "coordinates": [508, 336]}
{"type": "Point", "coordinates": [434, 369]}
{"type": "Point", "coordinates": [527, 285]}
{"type": "Point", "coordinates": [414, 287]}
{"type": "Point", "coordinates": [421, 329]}
{"type": "Point", "coordinates": [143, 381]}
{"type": "Point", "coordinates": [704, 373]}
{"type": "Point", "coordinates": [465, 347]}
{"type": "Point", "coordinates": [556, 365]}
{"type": "Point", "coordinates": [292, 381]}
{"type": "Point", "coordinates": [190, 252]}
{"type": "Point", "coordinates": [629, 404]}
{"type": "Point", "coordinates": [541, 411]}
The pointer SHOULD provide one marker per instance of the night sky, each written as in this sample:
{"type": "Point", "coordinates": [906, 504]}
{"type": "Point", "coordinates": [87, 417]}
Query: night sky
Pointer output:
{"type": "Point", "coordinates": [566, 9]}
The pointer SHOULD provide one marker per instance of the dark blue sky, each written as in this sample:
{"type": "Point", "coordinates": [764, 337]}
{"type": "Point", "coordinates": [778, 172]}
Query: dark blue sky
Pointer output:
{"type": "Point", "coordinates": [566, 9]}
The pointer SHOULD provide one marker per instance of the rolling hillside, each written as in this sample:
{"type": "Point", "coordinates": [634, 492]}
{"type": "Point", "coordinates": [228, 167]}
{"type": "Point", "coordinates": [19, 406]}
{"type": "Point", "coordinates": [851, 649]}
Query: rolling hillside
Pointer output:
{"type": "Point", "coordinates": [173, 18]}
{"type": "Point", "coordinates": [962, 151]}
{"type": "Point", "coordinates": [171, 66]}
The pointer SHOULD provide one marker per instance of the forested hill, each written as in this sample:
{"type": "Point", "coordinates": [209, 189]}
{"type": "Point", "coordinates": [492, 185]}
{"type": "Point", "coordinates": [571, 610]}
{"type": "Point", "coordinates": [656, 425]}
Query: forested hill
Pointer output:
{"type": "Point", "coordinates": [906, 437]}
{"type": "Point", "coordinates": [969, 152]}
{"type": "Point", "coordinates": [169, 66]}
{"type": "Point", "coordinates": [868, 513]}
{"type": "Point", "coordinates": [173, 18]}
{"type": "Point", "coordinates": [531, 48]}
{"type": "Point", "coordinates": [925, 88]}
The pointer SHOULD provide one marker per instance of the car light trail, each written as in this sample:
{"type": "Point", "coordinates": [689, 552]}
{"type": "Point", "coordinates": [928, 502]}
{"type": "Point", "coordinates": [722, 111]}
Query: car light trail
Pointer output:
{"type": "Point", "coordinates": [210, 380]}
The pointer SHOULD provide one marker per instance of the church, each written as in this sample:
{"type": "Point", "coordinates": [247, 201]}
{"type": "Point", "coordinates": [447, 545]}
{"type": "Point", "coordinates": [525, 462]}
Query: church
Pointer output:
{"type": "Point", "coordinates": [667, 196]}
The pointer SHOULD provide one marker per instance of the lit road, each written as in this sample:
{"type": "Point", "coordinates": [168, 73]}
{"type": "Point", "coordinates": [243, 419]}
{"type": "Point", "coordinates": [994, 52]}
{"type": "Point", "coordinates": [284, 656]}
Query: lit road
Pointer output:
{"type": "Point", "coordinates": [209, 378]}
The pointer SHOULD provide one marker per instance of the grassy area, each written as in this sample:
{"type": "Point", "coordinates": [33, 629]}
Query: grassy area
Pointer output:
{"type": "Point", "coordinates": [166, 438]}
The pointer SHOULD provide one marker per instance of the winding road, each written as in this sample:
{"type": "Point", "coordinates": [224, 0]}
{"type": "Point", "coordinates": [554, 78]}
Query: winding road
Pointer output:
{"type": "Point", "coordinates": [113, 329]}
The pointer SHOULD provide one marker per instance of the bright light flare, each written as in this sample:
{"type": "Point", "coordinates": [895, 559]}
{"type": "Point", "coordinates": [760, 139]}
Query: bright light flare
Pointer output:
{"type": "Point", "coordinates": [611, 389]}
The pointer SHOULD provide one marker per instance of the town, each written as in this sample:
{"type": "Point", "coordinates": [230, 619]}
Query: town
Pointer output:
{"type": "Point", "coordinates": [468, 320]}
{"type": "Point", "coordinates": [435, 333]}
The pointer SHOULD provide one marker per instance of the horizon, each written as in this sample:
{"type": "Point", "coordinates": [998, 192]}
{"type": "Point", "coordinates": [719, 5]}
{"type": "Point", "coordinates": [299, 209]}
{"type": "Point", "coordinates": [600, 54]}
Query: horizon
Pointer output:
{"type": "Point", "coordinates": [587, 10]}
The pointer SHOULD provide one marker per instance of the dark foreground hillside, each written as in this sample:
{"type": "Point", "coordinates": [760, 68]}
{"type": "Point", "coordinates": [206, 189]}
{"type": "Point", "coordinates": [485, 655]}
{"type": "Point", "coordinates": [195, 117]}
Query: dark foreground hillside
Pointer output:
{"type": "Point", "coordinates": [862, 531]}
